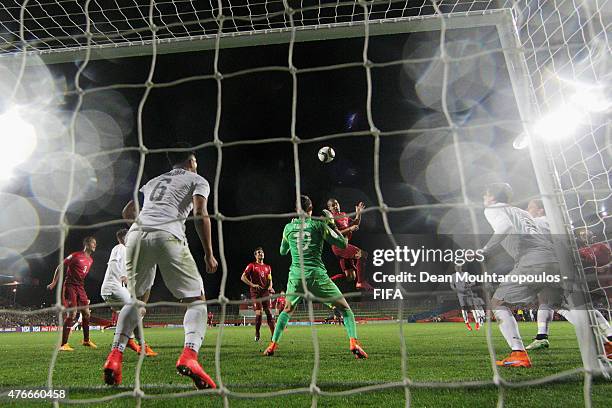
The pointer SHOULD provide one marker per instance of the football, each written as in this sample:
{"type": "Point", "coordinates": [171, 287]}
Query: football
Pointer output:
{"type": "Point", "coordinates": [326, 154]}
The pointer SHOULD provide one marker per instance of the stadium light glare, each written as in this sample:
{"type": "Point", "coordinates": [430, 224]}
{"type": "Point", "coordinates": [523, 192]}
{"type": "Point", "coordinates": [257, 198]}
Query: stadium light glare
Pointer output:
{"type": "Point", "coordinates": [559, 124]}
{"type": "Point", "coordinates": [17, 143]}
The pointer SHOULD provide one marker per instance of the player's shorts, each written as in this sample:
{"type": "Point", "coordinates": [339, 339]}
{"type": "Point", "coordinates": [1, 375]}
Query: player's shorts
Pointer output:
{"type": "Point", "coordinates": [118, 295]}
{"type": "Point", "coordinates": [466, 299]}
{"type": "Point", "coordinates": [348, 253]}
{"type": "Point", "coordinates": [172, 255]}
{"type": "Point", "coordinates": [320, 285]}
{"type": "Point", "coordinates": [513, 292]}
{"type": "Point", "coordinates": [260, 293]}
{"type": "Point", "coordinates": [73, 296]}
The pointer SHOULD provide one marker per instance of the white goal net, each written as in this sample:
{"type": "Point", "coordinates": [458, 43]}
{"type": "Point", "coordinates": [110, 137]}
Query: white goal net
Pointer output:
{"type": "Point", "coordinates": [542, 66]}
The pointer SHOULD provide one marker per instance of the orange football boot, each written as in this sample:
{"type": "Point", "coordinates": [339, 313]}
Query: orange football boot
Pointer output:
{"type": "Point", "coordinates": [515, 359]}
{"type": "Point", "coordinates": [189, 366]}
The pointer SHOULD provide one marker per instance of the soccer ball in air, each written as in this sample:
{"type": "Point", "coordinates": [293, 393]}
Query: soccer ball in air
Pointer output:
{"type": "Point", "coordinates": [326, 154]}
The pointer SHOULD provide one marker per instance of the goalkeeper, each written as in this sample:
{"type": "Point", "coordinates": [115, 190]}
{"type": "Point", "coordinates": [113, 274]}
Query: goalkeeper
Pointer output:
{"type": "Point", "coordinates": [310, 234]}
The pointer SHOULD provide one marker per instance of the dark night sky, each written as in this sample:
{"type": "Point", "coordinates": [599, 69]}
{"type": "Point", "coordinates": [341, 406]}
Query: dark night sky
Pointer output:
{"type": "Point", "coordinates": [260, 178]}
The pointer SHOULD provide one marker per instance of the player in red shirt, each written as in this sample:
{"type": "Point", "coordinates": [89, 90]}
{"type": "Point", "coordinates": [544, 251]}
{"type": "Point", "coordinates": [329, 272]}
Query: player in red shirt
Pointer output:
{"type": "Point", "coordinates": [592, 253]}
{"type": "Point", "coordinates": [352, 259]}
{"type": "Point", "coordinates": [77, 266]}
{"type": "Point", "coordinates": [258, 276]}
{"type": "Point", "coordinates": [280, 302]}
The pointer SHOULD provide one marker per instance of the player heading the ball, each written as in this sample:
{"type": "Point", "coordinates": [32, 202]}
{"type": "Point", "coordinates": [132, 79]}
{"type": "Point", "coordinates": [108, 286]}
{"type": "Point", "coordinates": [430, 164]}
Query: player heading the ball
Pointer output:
{"type": "Point", "coordinates": [158, 238]}
{"type": "Point", "coordinates": [352, 259]}
{"type": "Point", "coordinates": [306, 238]}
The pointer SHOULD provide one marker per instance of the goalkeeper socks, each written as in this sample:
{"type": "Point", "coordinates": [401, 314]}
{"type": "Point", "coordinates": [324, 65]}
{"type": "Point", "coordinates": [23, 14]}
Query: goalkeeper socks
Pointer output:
{"type": "Point", "coordinates": [270, 320]}
{"type": "Point", "coordinates": [349, 323]}
{"type": "Point", "coordinates": [128, 319]}
{"type": "Point", "coordinates": [257, 324]}
{"type": "Point", "coordinates": [509, 328]}
{"type": "Point", "coordinates": [66, 330]}
{"type": "Point", "coordinates": [194, 324]}
{"type": "Point", "coordinates": [85, 325]}
{"type": "Point", "coordinates": [281, 323]}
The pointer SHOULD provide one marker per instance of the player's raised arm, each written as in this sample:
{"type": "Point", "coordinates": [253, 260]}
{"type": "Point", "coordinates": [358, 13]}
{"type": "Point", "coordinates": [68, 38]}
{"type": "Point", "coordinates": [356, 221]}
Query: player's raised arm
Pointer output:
{"type": "Point", "coordinates": [129, 212]}
{"type": "Point", "coordinates": [202, 225]}
{"type": "Point", "coordinates": [358, 209]}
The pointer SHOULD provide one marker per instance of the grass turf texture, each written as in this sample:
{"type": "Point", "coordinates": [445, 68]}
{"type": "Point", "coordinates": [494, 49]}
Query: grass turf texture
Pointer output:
{"type": "Point", "coordinates": [436, 352]}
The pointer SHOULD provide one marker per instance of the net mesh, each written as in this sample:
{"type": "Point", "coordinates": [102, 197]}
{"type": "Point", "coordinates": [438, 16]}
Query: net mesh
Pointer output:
{"type": "Point", "coordinates": [558, 39]}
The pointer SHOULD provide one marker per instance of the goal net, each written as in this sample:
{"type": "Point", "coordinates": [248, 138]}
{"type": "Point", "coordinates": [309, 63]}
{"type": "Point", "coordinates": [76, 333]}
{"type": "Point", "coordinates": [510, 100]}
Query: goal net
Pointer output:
{"type": "Point", "coordinates": [482, 76]}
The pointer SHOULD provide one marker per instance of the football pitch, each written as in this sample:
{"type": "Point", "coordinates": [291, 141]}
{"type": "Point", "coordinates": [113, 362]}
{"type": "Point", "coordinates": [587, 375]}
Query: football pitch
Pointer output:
{"type": "Point", "coordinates": [442, 352]}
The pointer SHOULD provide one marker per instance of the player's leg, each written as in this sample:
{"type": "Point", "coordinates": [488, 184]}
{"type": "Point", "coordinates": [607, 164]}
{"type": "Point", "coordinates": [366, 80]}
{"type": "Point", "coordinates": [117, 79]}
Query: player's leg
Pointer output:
{"type": "Point", "coordinates": [515, 293]}
{"type": "Point", "coordinates": [69, 298]}
{"type": "Point", "coordinates": [269, 317]}
{"type": "Point", "coordinates": [360, 260]}
{"type": "Point", "coordinates": [182, 277]}
{"type": "Point", "coordinates": [140, 258]}
{"type": "Point", "coordinates": [323, 287]}
{"type": "Point", "coordinates": [359, 256]}
{"type": "Point", "coordinates": [257, 307]}
{"type": "Point", "coordinates": [544, 316]}
{"type": "Point", "coordinates": [83, 300]}
{"type": "Point", "coordinates": [292, 298]}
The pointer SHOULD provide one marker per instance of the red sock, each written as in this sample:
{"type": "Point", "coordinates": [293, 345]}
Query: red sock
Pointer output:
{"type": "Point", "coordinates": [338, 276]}
{"type": "Point", "coordinates": [257, 324]}
{"type": "Point", "coordinates": [66, 332]}
{"type": "Point", "coordinates": [270, 320]}
{"type": "Point", "coordinates": [85, 325]}
{"type": "Point", "coordinates": [360, 268]}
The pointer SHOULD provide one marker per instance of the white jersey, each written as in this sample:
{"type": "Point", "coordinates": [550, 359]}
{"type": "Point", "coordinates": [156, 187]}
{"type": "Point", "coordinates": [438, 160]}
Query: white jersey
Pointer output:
{"type": "Point", "coordinates": [525, 240]}
{"type": "Point", "coordinates": [115, 269]}
{"type": "Point", "coordinates": [168, 201]}
{"type": "Point", "coordinates": [459, 285]}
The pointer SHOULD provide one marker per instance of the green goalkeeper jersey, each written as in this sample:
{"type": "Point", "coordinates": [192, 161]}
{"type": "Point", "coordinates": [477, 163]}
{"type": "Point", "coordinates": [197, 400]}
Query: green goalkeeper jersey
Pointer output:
{"type": "Point", "coordinates": [315, 233]}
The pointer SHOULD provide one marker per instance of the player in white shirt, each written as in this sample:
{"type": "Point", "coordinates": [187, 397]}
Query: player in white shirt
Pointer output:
{"type": "Point", "coordinates": [468, 301]}
{"type": "Point", "coordinates": [157, 237]}
{"type": "Point", "coordinates": [545, 311]}
{"type": "Point", "coordinates": [114, 289]}
{"type": "Point", "coordinates": [517, 232]}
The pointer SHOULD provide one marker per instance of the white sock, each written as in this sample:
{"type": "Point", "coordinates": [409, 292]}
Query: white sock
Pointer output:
{"type": "Point", "coordinates": [603, 324]}
{"type": "Point", "coordinates": [476, 315]}
{"type": "Point", "coordinates": [128, 319]}
{"type": "Point", "coordinates": [194, 323]}
{"type": "Point", "coordinates": [545, 316]}
{"type": "Point", "coordinates": [466, 317]}
{"type": "Point", "coordinates": [483, 316]}
{"type": "Point", "coordinates": [509, 328]}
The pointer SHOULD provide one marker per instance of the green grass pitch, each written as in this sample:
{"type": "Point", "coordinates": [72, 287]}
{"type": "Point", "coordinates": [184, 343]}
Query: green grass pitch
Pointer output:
{"type": "Point", "coordinates": [436, 352]}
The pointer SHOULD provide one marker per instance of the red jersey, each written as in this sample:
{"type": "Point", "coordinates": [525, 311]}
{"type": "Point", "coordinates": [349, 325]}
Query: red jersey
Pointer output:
{"type": "Point", "coordinates": [77, 266]}
{"type": "Point", "coordinates": [280, 303]}
{"type": "Point", "coordinates": [342, 223]}
{"type": "Point", "coordinates": [259, 274]}
{"type": "Point", "coordinates": [597, 254]}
